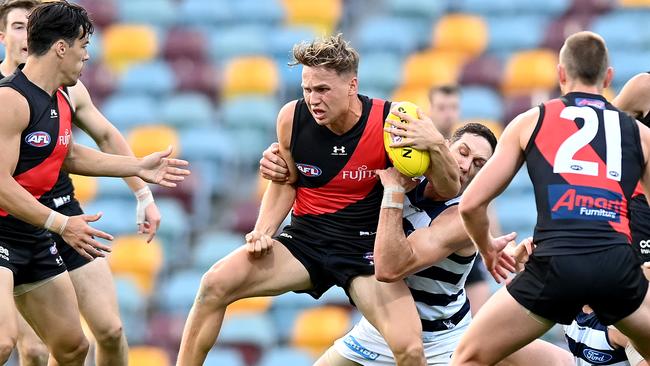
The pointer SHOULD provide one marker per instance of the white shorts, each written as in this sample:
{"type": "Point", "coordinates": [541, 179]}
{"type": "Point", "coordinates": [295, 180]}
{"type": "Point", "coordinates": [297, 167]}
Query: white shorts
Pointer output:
{"type": "Point", "coordinates": [365, 345]}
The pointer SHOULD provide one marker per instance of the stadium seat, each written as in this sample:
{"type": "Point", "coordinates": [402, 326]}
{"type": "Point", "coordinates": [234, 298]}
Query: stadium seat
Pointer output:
{"type": "Point", "coordinates": [426, 9]}
{"type": "Point", "coordinates": [224, 357]}
{"type": "Point", "coordinates": [621, 30]}
{"type": "Point", "coordinates": [427, 69]}
{"type": "Point", "coordinates": [102, 12]}
{"type": "Point", "coordinates": [125, 44]}
{"type": "Point", "coordinates": [515, 105]}
{"type": "Point", "coordinates": [154, 78]}
{"type": "Point", "coordinates": [239, 41]}
{"type": "Point", "coordinates": [133, 307]}
{"type": "Point", "coordinates": [316, 329]}
{"type": "Point", "coordinates": [173, 234]}
{"type": "Point", "coordinates": [634, 3]}
{"type": "Point", "coordinates": [494, 126]}
{"type": "Point", "coordinates": [148, 356]}
{"type": "Point", "coordinates": [187, 110]}
{"type": "Point", "coordinates": [185, 43]}
{"type": "Point", "coordinates": [196, 75]}
{"type": "Point", "coordinates": [283, 39]}
{"type": "Point", "coordinates": [486, 71]}
{"type": "Point", "coordinates": [480, 103]}
{"type": "Point", "coordinates": [516, 212]}
{"type": "Point", "coordinates": [255, 112]}
{"type": "Point", "coordinates": [269, 12]}
{"type": "Point", "coordinates": [95, 47]}
{"type": "Point", "coordinates": [99, 80]}
{"type": "Point", "coordinates": [380, 70]}
{"type": "Point", "coordinates": [381, 33]}
{"type": "Point", "coordinates": [252, 329]}
{"type": "Point", "coordinates": [149, 139]}
{"type": "Point", "coordinates": [285, 356]}
{"type": "Point", "coordinates": [204, 12]}
{"type": "Point", "coordinates": [133, 257]}
{"type": "Point", "coordinates": [176, 293]}
{"type": "Point", "coordinates": [417, 95]}
{"type": "Point", "coordinates": [118, 213]}
{"type": "Point", "coordinates": [251, 305]}
{"type": "Point", "coordinates": [322, 15]}
{"type": "Point", "coordinates": [127, 110]}
{"type": "Point", "coordinates": [591, 7]}
{"type": "Point", "coordinates": [626, 65]}
{"type": "Point", "coordinates": [528, 71]}
{"type": "Point", "coordinates": [212, 246]}
{"type": "Point", "coordinates": [563, 27]}
{"type": "Point", "coordinates": [155, 12]}
{"type": "Point", "coordinates": [250, 75]}
{"type": "Point", "coordinates": [85, 188]}
{"type": "Point", "coordinates": [511, 33]}
{"type": "Point", "coordinates": [513, 8]}
{"type": "Point", "coordinates": [463, 33]}
{"type": "Point", "coordinates": [335, 296]}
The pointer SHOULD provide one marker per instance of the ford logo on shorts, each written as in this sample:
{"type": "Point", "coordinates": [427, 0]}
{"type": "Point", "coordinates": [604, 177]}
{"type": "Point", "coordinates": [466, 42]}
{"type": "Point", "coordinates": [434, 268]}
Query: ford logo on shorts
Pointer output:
{"type": "Point", "coordinates": [596, 356]}
{"type": "Point", "coordinates": [309, 170]}
{"type": "Point", "coordinates": [38, 139]}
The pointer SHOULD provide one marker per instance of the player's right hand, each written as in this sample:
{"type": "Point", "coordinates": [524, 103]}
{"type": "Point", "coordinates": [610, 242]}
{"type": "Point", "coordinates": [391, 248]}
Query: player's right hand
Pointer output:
{"type": "Point", "coordinates": [272, 166]}
{"type": "Point", "coordinates": [81, 236]}
{"type": "Point", "coordinates": [258, 244]}
{"type": "Point", "coordinates": [499, 265]}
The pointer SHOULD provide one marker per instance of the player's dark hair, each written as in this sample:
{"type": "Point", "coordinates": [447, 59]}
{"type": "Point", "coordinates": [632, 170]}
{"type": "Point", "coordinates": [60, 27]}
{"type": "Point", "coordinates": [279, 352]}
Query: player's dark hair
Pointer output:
{"type": "Point", "coordinates": [585, 57]}
{"type": "Point", "coordinates": [50, 22]}
{"type": "Point", "coordinates": [444, 89]}
{"type": "Point", "coordinates": [7, 6]}
{"type": "Point", "coordinates": [478, 130]}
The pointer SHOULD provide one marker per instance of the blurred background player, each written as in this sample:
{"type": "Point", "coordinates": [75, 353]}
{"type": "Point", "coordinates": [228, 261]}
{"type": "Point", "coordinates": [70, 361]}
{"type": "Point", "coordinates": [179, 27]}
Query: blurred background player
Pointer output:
{"type": "Point", "coordinates": [335, 137]}
{"type": "Point", "coordinates": [92, 279]}
{"type": "Point", "coordinates": [567, 223]}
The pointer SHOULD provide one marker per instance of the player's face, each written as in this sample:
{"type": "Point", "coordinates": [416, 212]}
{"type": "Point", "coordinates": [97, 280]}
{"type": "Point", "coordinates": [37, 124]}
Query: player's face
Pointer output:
{"type": "Point", "coordinates": [471, 152]}
{"type": "Point", "coordinates": [326, 93]}
{"type": "Point", "coordinates": [74, 60]}
{"type": "Point", "coordinates": [444, 111]}
{"type": "Point", "coordinates": [14, 37]}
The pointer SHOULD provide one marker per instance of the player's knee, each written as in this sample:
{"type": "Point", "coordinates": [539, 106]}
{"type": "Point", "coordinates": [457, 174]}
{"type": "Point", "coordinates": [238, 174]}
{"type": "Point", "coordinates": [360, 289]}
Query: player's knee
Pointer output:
{"type": "Point", "coordinates": [71, 351]}
{"type": "Point", "coordinates": [217, 287]}
{"type": "Point", "coordinates": [111, 336]}
{"type": "Point", "coordinates": [6, 346]}
{"type": "Point", "coordinates": [409, 352]}
{"type": "Point", "coordinates": [33, 353]}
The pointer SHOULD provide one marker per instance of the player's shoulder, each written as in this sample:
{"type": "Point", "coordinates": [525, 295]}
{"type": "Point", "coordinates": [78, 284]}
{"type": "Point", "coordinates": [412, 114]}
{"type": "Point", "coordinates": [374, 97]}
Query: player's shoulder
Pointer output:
{"type": "Point", "coordinates": [15, 110]}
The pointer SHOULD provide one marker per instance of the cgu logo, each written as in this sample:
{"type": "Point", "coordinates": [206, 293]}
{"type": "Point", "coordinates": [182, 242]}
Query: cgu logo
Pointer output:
{"type": "Point", "coordinates": [38, 139]}
{"type": "Point", "coordinates": [596, 356]}
{"type": "Point", "coordinates": [309, 170]}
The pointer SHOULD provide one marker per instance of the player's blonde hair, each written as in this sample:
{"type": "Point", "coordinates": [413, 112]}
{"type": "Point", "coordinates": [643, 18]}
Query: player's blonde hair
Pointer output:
{"type": "Point", "coordinates": [584, 56]}
{"type": "Point", "coordinates": [332, 52]}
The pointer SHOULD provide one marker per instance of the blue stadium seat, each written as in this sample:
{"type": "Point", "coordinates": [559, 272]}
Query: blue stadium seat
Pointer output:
{"type": "Point", "coordinates": [251, 143]}
{"type": "Point", "coordinates": [269, 12]}
{"type": "Point", "coordinates": [244, 40]}
{"type": "Point", "coordinates": [255, 111]}
{"type": "Point", "coordinates": [127, 110]}
{"type": "Point", "coordinates": [95, 47]}
{"type": "Point", "coordinates": [516, 212]}
{"type": "Point", "coordinates": [204, 12]}
{"type": "Point", "coordinates": [380, 70]}
{"type": "Point", "coordinates": [208, 144]}
{"type": "Point", "coordinates": [284, 356]}
{"type": "Point", "coordinates": [113, 188]}
{"type": "Point", "coordinates": [509, 33]}
{"type": "Point", "coordinates": [176, 293]}
{"type": "Point", "coordinates": [335, 296]}
{"type": "Point", "coordinates": [224, 357]}
{"type": "Point", "coordinates": [417, 8]}
{"type": "Point", "coordinates": [282, 40]}
{"type": "Point", "coordinates": [187, 109]}
{"type": "Point", "coordinates": [521, 183]}
{"type": "Point", "coordinates": [156, 78]}
{"type": "Point", "coordinates": [156, 12]}
{"type": "Point", "coordinates": [212, 246]}
{"type": "Point", "coordinates": [387, 33]}
{"type": "Point", "coordinates": [118, 215]}
{"type": "Point", "coordinates": [622, 32]}
{"type": "Point", "coordinates": [132, 309]}
{"type": "Point", "coordinates": [481, 103]}
{"type": "Point", "coordinates": [626, 64]}
{"type": "Point", "coordinates": [513, 7]}
{"type": "Point", "coordinates": [290, 78]}
{"type": "Point", "coordinates": [255, 329]}
{"type": "Point", "coordinates": [174, 231]}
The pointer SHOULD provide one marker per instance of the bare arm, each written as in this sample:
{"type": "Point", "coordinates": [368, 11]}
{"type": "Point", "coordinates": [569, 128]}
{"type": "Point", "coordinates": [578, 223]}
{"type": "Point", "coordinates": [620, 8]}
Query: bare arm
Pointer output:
{"type": "Point", "coordinates": [421, 134]}
{"type": "Point", "coordinates": [492, 180]}
{"type": "Point", "coordinates": [279, 196]}
{"type": "Point", "coordinates": [634, 98]}
{"type": "Point", "coordinates": [110, 140]}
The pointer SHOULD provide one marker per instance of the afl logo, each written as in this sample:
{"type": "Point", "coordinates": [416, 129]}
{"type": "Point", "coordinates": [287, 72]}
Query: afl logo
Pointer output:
{"type": "Point", "coordinates": [309, 170]}
{"type": "Point", "coordinates": [38, 139]}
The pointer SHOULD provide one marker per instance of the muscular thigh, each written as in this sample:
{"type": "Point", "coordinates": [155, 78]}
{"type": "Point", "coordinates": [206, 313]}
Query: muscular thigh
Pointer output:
{"type": "Point", "coordinates": [93, 284]}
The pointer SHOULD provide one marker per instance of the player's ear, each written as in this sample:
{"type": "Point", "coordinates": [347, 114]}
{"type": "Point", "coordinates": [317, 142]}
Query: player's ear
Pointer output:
{"type": "Point", "coordinates": [561, 74]}
{"type": "Point", "coordinates": [60, 47]}
{"type": "Point", "coordinates": [609, 76]}
{"type": "Point", "coordinates": [353, 86]}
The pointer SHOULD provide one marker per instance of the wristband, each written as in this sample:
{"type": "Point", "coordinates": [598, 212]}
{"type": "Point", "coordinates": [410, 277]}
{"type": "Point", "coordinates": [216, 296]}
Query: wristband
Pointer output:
{"type": "Point", "coordinates": [145, 198]}
{"type": "Point", "coordinates": [49, 223]}
{"type": "Point", "coordinates": [393, 197]}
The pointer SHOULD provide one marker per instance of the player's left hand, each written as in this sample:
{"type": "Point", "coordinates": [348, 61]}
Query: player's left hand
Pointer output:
{"type": "Point", "coordinates": [499, 265]}
{"type": "Point", "coordinates": [419, 133]}
{"type": "Point", "coordinates": [391, 177]}
{"type": "Point", "coordinates": [159, 169]}
{"type": "Point", "coordinates": [151, 221]}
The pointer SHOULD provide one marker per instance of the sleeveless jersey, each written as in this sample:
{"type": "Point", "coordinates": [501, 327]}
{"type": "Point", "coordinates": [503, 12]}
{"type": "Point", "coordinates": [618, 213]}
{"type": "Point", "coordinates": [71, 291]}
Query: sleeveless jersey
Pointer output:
{"type": "Point", "coordinates": [63, 191]}
{"type": "Point", "coordinates": [646, 121]}
{"type": "Point", "coordinates": [337, 193]}
{"type": "Point", "coordinates": [588, 342]}
{"type": "Point", "coordinates": [582, 175]}
{"type": "Point", "coordinates": [43, 148]}
{"type": "Point", "coordinates": [438, 291]}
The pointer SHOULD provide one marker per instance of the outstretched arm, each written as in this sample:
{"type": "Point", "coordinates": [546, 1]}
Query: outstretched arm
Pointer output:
{"type": "Point", "coordinates": [110, 140]}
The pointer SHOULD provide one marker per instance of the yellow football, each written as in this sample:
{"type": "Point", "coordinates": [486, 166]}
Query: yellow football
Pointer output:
{"type": "Point", "coordinates": [409, 161]}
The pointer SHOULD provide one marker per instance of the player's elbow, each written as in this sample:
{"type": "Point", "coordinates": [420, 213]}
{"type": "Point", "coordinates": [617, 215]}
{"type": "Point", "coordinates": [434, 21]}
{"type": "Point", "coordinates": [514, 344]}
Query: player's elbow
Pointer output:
{"type": "Point", "coordinates": [466, 206]}
{"type": "Point", "coordinates": [384, 275]}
